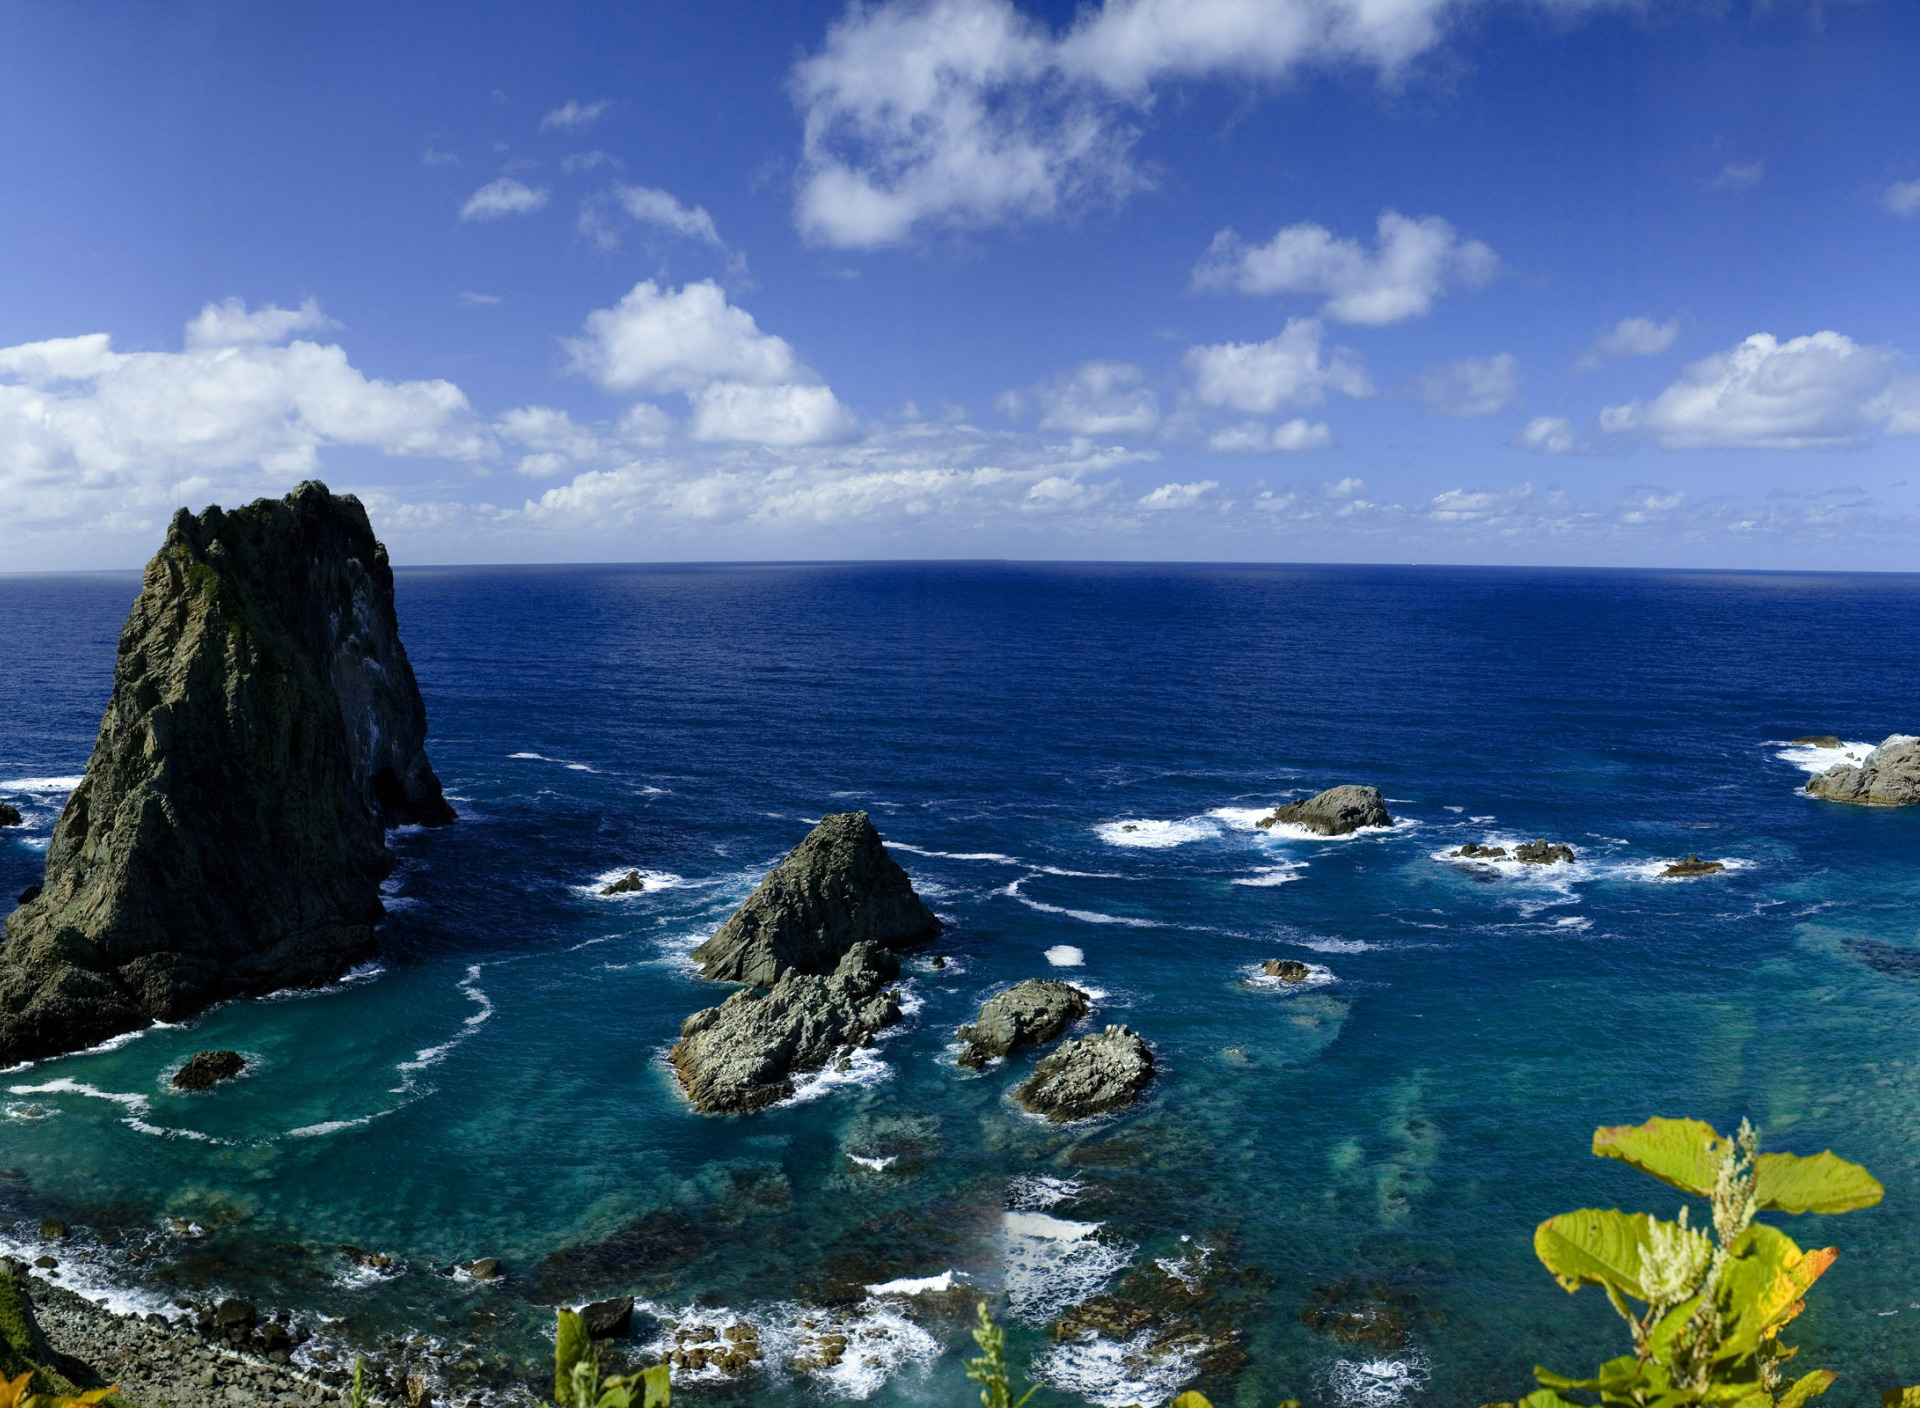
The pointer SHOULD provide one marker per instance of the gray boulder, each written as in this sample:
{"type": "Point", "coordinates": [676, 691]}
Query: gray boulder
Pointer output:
{"type": "Point", "coordinates": [836, 889]}
{"type": "Point", "coordinates": [1034, 1011]}
{"type": "Point", "coordinates": [744, 1054]}
{"type": "Point", "coordinates": [1089, 1076]}
{"type": "Point", "coordinates": [1542, 853]}
{"type": "Point", "coordinates": [9, 815]}
{"type": "Point", "coordinates": [1335, 811]}
{"type": "Point", "coordinates": [1475, 851]}
{"type": "Point", "coordinates": [1889, 776]}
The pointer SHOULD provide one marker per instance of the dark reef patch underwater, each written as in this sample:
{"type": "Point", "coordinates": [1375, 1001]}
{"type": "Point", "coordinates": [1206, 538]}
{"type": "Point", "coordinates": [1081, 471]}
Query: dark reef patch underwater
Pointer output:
{"type": "Point", "coordinates": [1328, 1191]}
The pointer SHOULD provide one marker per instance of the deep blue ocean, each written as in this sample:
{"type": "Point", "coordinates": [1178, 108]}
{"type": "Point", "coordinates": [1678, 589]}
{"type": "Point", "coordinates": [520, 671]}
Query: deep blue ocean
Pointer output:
{"type": "Point", "coordinates": [1377, 1142]}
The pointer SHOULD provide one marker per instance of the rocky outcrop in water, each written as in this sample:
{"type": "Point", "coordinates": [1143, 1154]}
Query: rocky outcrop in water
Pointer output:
{"type": "Point", "coordinates": [9, 815]}
{"type": "Point", "coordinates": [1889, 776]}
{"type": "Point", "coordinates": [1819, 740]}
{"type": "Point", "coordinates": [629, 884]}
{"type": "Point", "coordinates": [1034, 1011]}
{"type": "Point", "coordinates": [1089, 1076]}
{"type": "Point", "coordinates": [1335, 811]}
{"type": "Point", "coordinates": [1287, 970]}
{"type": "Point", "coordinates": [836, 889]}
{"type": "Point", "coordinates": [1691, 866]}
{"type": "Point", "coordinates": [228, 839]}
{"type": "Point", "coordinates": [744, 1054]}
{"type": "Point", "coordinates": [1543, 853]}
{"type": "Point", "coordinates": [209, 1068]}
{"type": "Point", "coordinates": [1474, 851]}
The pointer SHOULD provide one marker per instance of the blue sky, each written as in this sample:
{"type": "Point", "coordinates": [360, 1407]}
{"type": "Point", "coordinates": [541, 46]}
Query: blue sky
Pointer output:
{"type": "Point", "coordinates": [1556, 281]}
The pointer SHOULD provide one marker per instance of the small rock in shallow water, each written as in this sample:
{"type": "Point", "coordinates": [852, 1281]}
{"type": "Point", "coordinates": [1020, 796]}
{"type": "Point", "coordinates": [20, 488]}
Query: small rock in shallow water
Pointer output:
{"type": "Point", "coordinates": [209, 1068]}
{"type": "Point", "coordinates": [485, 1269]}
{"type": "Point", "coordinates": [1818, 740]}
{"type": "Point", "coordinates": [1034, 1011]}
{"type": "Point", "coordinates": [45, 1263]}
{"type": "Point", "coordinates": [1471, 851]}
{"type": "Point", "coordinates": [1287, 970]}
{"type": "Point", "coordinates": [1692, 865]}
{"type": "Point", "coordinates": [1543, 853]}
{"type": "Point", "coordinates": [1089, 1076]}
{"type": "Point", "coordinates": [53, 1229]}
{"type": "Point", "coordinates": [608, 1319]}
{"type": "Point", "coordinates": [9, 816]}
{"type": "Point", "coordinates": [360, 1256]}
{"type": "Point", "coordinates": [627, 884]}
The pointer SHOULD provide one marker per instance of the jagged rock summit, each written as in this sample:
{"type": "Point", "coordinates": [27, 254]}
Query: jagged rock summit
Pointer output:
{"type": "Point", "coordinates": [265, 730]}
{"type": "Point", "coordinates": [837, 888]}
{"type": "Point", "coordinates": [1889, 776]}
{"type": "Point", "coordinates": [1334, 812]}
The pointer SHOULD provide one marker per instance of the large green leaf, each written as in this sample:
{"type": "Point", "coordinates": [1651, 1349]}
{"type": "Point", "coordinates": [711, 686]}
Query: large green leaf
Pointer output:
{"type": "Point", "coordinates": [571, 1344]}
{"type": "Point", "coordinates": [1594, 1247]}
{"type": "Point", "coordinates": [1807, 1386]}
{"type": "Point", "coordinates": [1900, 1398]}
{"type": "Point", "coordinates": [1764, 1286]}
{"type": "Point", "coordinates": [1816, 1183]}
{"type": "Point", "coordinates": [659, 1386]}
{"type": "Point", "coordinates": [1677, 1152]}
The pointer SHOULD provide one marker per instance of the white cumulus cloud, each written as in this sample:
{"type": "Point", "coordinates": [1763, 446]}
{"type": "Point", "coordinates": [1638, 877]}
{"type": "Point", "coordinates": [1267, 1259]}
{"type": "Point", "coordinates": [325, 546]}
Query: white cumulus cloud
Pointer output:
{"type": "Point", "coordinates": [574, 116]}
{"type": "Point", "coordinates": [644, 205]}
{"type": "Point", "coordinates": [1822, 391]}
{"type": "Point", "coordinates": [1470, 387]}
{"type": "Point", "coordinates": [1412, 263]}
{"type": "Point", "coordinates": [1097, 398]}
{"type": "Point", "coordinates": [1177, 495]}
{"type": "Point", "coordinates": [1630, 337]}
{"type": "Point", "coordinates": [505, 196]}
{"type": "Point", "coordinates": [1902, 197]}
{"type": "Point", "coordinates": [742, 384]}
{"type": "Point", "coordinates": [923, 114]}
{"type": "Point", "coordinates": [1547, 435]}
{"type": "Point", "coordinates": [231, 324]}
{"type": "Point", "coordinates": [1291, 369]}
{"type": "Point", "coordinates": [1253, 437]}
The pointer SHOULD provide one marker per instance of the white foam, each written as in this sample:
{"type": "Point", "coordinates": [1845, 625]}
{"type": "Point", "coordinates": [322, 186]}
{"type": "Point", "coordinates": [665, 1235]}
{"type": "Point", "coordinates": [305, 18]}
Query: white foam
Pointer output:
{"type": "Point", "coordinates": [1052, 1263]}
{"type": "Point", "coordinates": [909, 1286]}
{"type": "Point", "coordinates": [1814, 760]}
{"type": "Point", "coordinates": [1284, 873]}
{"type": "Point", "coordinates": [580, 767]}
{"type": "Point", "coordinates": [953, 855]}
{"type": "Point", "coordinates": [1115, 1373]}
{"type": "Point", "coordinates": [83, 1276]}
{"type": "Point", "coordinates": [1087, 916]}
{"type": "Point", "coordinates": [1066, 956]}
{"type": "Point", "coordinates": [1456, 809]}
{"type": "Point", "coordinates": [1291, 831]}
{"type": "Point", "coordinates": [651, 882]}
{"type": "Point", "coordinates": [1031, 1191]}
{"type": "Point", "coordinates": [1376, 1383]}
{"type": "Point", "coordinates": [137, 1107]}
{"type": "Point", "coordinates": [1243, 818]}
{"type": "Point", "coordinates": [1155, 835]}
{"type": "Point", "coordinates": [1336, 945]}
{"type": "Point", "coordinates": [880, 1342]}
{"type": "Point", "coordinates": [41, 784]}
{"type": "Point", "coordinates": [535, 756]}
{"type": "Point", "coordinates": [315, 1131]}
{"type": "Point", "coordinates": [433, 1055]}
{"type": "Point", "coordinates": [877, 1165]}
{"type": "Point", "coordinates": [1573, 922]}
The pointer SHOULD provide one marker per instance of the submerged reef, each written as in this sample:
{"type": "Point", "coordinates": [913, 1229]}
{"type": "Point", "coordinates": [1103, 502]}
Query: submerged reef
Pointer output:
{"type": "Point", "coordinates": [264, 732]}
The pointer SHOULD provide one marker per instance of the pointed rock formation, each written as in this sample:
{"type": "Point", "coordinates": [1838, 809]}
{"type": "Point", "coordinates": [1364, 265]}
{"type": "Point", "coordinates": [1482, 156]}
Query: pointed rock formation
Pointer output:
{"type": "Point", "coordinates": [229, 837]}
{"type": "Point", "coordinates": [837, 888]}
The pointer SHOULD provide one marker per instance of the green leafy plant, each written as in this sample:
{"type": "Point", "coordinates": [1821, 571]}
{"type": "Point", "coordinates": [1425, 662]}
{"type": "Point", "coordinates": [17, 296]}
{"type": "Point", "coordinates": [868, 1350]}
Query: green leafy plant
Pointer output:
{"type": "Point", "coordinates": [576, 1374]}
{"type": "Point", "coordinates": [357, 1393]}
{"type": "Point", "coordinates": [1715, 1299]}
{"type": "Point", "coordinates": [990, 1369]}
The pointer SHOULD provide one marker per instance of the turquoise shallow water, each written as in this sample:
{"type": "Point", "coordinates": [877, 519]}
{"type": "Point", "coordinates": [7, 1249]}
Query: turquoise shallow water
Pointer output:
{"type": "Point", "coordinates": [1384, 1136]}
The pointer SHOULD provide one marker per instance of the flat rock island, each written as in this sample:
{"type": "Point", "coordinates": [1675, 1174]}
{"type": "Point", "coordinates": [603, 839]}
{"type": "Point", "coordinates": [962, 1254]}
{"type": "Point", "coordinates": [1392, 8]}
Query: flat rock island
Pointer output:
{"type": "Point", "coordinates": [229, 837]}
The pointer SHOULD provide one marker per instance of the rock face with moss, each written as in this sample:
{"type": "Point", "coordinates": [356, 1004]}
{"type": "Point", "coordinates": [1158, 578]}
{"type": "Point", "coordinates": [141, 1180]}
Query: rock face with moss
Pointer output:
{"type": "Point", "coordinates": [837, 888]}
{"type": "Point", "coordinates": [1889, 776]}
{"type": "Point", "coordinates": [1334, 812]}
{"type": "Point", "coordinates": [265, 730]}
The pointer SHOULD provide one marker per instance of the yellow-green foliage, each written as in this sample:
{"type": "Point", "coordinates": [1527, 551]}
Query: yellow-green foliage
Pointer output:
{"type": "Point", "coordinates": [18, 1393]}
{"type": "Point", "coordinates": [576, 1374]}
{"type": "Point", "coordinates": [1715, 1299]}
{"type": "Point", "coordinates": [990, 1369]}
{"type": "Point", "coordinates": [19, 1347]}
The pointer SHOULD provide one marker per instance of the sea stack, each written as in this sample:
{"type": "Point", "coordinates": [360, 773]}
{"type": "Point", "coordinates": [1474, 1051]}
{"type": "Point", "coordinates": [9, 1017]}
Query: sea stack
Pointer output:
{"type": "Point", "coordinates": [837, 888]}
{"type": "Point", "coordinates": [1334, 812]}
{"type": "Point", "coordinates": [264, 732]}
{"type": "Point", "coordinates": [816, 943]}
{"type": "Point", "coordinates": [1889, 776]}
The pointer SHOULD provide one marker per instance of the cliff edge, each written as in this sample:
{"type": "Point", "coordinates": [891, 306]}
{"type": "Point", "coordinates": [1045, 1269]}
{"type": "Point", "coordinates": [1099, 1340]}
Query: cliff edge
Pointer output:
{"type": "Point", "coordinates": [265, 729]}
